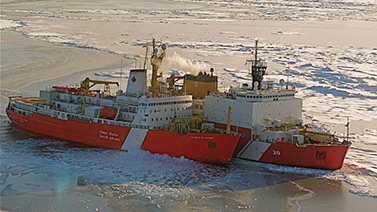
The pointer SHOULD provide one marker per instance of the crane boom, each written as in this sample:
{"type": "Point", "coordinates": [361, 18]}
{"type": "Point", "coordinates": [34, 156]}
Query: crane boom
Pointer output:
{"type": "Point", "coordinates": [85, 85]}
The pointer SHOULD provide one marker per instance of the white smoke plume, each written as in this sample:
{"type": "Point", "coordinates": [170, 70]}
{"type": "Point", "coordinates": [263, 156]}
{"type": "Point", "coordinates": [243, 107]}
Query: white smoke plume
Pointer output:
{"type": "Point", "coordinates": [176, 61]}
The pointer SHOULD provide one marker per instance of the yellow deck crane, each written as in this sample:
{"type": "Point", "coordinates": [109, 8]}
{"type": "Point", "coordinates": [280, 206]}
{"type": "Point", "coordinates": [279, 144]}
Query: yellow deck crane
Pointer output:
{"type": "Point", "coordinates": [156, 60]}
{"type": "Point", "coordinates": [171, 82]}
{"type": "Point", "coordinates": [85, 85]}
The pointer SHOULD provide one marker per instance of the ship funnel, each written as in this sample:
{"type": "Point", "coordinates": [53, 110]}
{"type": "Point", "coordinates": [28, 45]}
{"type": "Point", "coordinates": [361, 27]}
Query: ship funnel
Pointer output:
{"type": "Point", "coordinates": [137, 82]}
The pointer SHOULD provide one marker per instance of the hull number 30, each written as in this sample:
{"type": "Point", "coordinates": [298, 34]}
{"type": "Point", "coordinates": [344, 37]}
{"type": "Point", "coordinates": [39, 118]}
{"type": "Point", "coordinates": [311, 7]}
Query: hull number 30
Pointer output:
{"type": "Point", "coordinates": [276, 152]}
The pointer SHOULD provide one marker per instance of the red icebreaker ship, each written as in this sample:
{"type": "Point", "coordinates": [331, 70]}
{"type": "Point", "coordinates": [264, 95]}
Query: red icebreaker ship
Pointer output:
{"type": "Point", "coordinates": [158, 119]}
{"type": "Point", "coordinates": [192, 119]}
{"type": "Point", "coordinates": [269, 120]}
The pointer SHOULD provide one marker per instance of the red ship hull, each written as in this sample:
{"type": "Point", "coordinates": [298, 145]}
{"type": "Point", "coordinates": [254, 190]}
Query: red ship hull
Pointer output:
{"type": "Point", "coordinates": [203, 147]}
{"type": "Point", "coordinates": [314, 156]}
{"type": "Point", "coordinates": [287, 153]}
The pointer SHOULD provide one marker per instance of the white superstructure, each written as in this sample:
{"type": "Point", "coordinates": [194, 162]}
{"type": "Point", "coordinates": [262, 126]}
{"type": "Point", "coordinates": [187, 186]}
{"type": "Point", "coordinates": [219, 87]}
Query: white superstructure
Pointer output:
{"type": "Point", "coordinates": [251, 107]}
{"type": "Point", "coordinates": [264, 113]}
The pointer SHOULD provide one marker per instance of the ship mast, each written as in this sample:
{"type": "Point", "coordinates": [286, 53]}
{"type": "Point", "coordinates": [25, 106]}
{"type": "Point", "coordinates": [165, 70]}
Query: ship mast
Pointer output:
{"type": "Point", "coordinates": [258, 69]}
{"type": "Point", "coordinates": [156, 61]}
{"type": "Point", "coordinates": [256, 50]}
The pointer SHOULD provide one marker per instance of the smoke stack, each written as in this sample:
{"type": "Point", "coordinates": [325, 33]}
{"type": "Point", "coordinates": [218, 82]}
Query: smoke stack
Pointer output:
{"type": "Point", "coordinates": [137, 83]}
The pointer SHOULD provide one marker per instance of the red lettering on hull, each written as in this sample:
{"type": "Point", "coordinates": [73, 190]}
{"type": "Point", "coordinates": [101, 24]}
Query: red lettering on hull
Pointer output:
{"type": "Point", "coordinates": [94, 134]}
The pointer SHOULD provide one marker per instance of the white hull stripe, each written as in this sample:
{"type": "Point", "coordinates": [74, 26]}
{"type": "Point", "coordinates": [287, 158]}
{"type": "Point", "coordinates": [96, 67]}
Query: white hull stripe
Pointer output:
{"type": "Point", "coordinates": [245, 148]}
{"type": "Point", "coordinates": [254, 150]}
{"type": "Point", "coordinates": [135, 139]}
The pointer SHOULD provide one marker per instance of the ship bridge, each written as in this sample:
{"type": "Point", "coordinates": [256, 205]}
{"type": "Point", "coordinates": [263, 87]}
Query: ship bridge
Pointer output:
{"type": "Point", "coordinates": [261, 95]}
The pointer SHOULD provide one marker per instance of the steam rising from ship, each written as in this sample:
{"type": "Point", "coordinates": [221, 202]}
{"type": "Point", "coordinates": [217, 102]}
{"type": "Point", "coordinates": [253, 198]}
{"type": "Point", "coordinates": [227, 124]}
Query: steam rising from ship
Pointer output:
{"type": "Point", "coordinates": [176, 61]}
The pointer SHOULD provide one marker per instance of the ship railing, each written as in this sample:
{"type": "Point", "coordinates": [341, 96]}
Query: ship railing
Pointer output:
{"type": "Point", "coordinates": [258, 63]}
{"type": "Point", "coordinates": [21, 111]}
{"type": "Point", "coordinates": [326, 139]}
{"type": "Point", "coordinates": [79, 117]}
{"type": "Point", "coordinates": [30, 109]}
{"type": "Point", "coordinates": [16, 94]}
{"type": "Point", "coordinates": [307, 142]}
{"type": "Point", "coordinates": [24, 106]}
{"type": "Point", "coordinates": [115, 123]}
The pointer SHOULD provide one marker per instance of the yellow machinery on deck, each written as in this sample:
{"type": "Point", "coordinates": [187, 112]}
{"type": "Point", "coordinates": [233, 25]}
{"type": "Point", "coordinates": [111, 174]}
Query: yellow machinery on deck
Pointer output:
{"type": "Point", "coordinates": [186, 124]}
{"type": "Point", "coordinates": [196, 85]}
{"type": "Point", "coordinates": [85, 85]}
{"type": "Point", "coordinates": [317, 137]}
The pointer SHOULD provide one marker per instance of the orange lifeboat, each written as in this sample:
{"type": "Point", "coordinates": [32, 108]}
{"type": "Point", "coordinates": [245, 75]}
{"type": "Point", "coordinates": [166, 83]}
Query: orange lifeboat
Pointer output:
{"type": "Point", "coordinates": [108, 112]}
{"type": "Point", "coordinates": [66, 88]}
